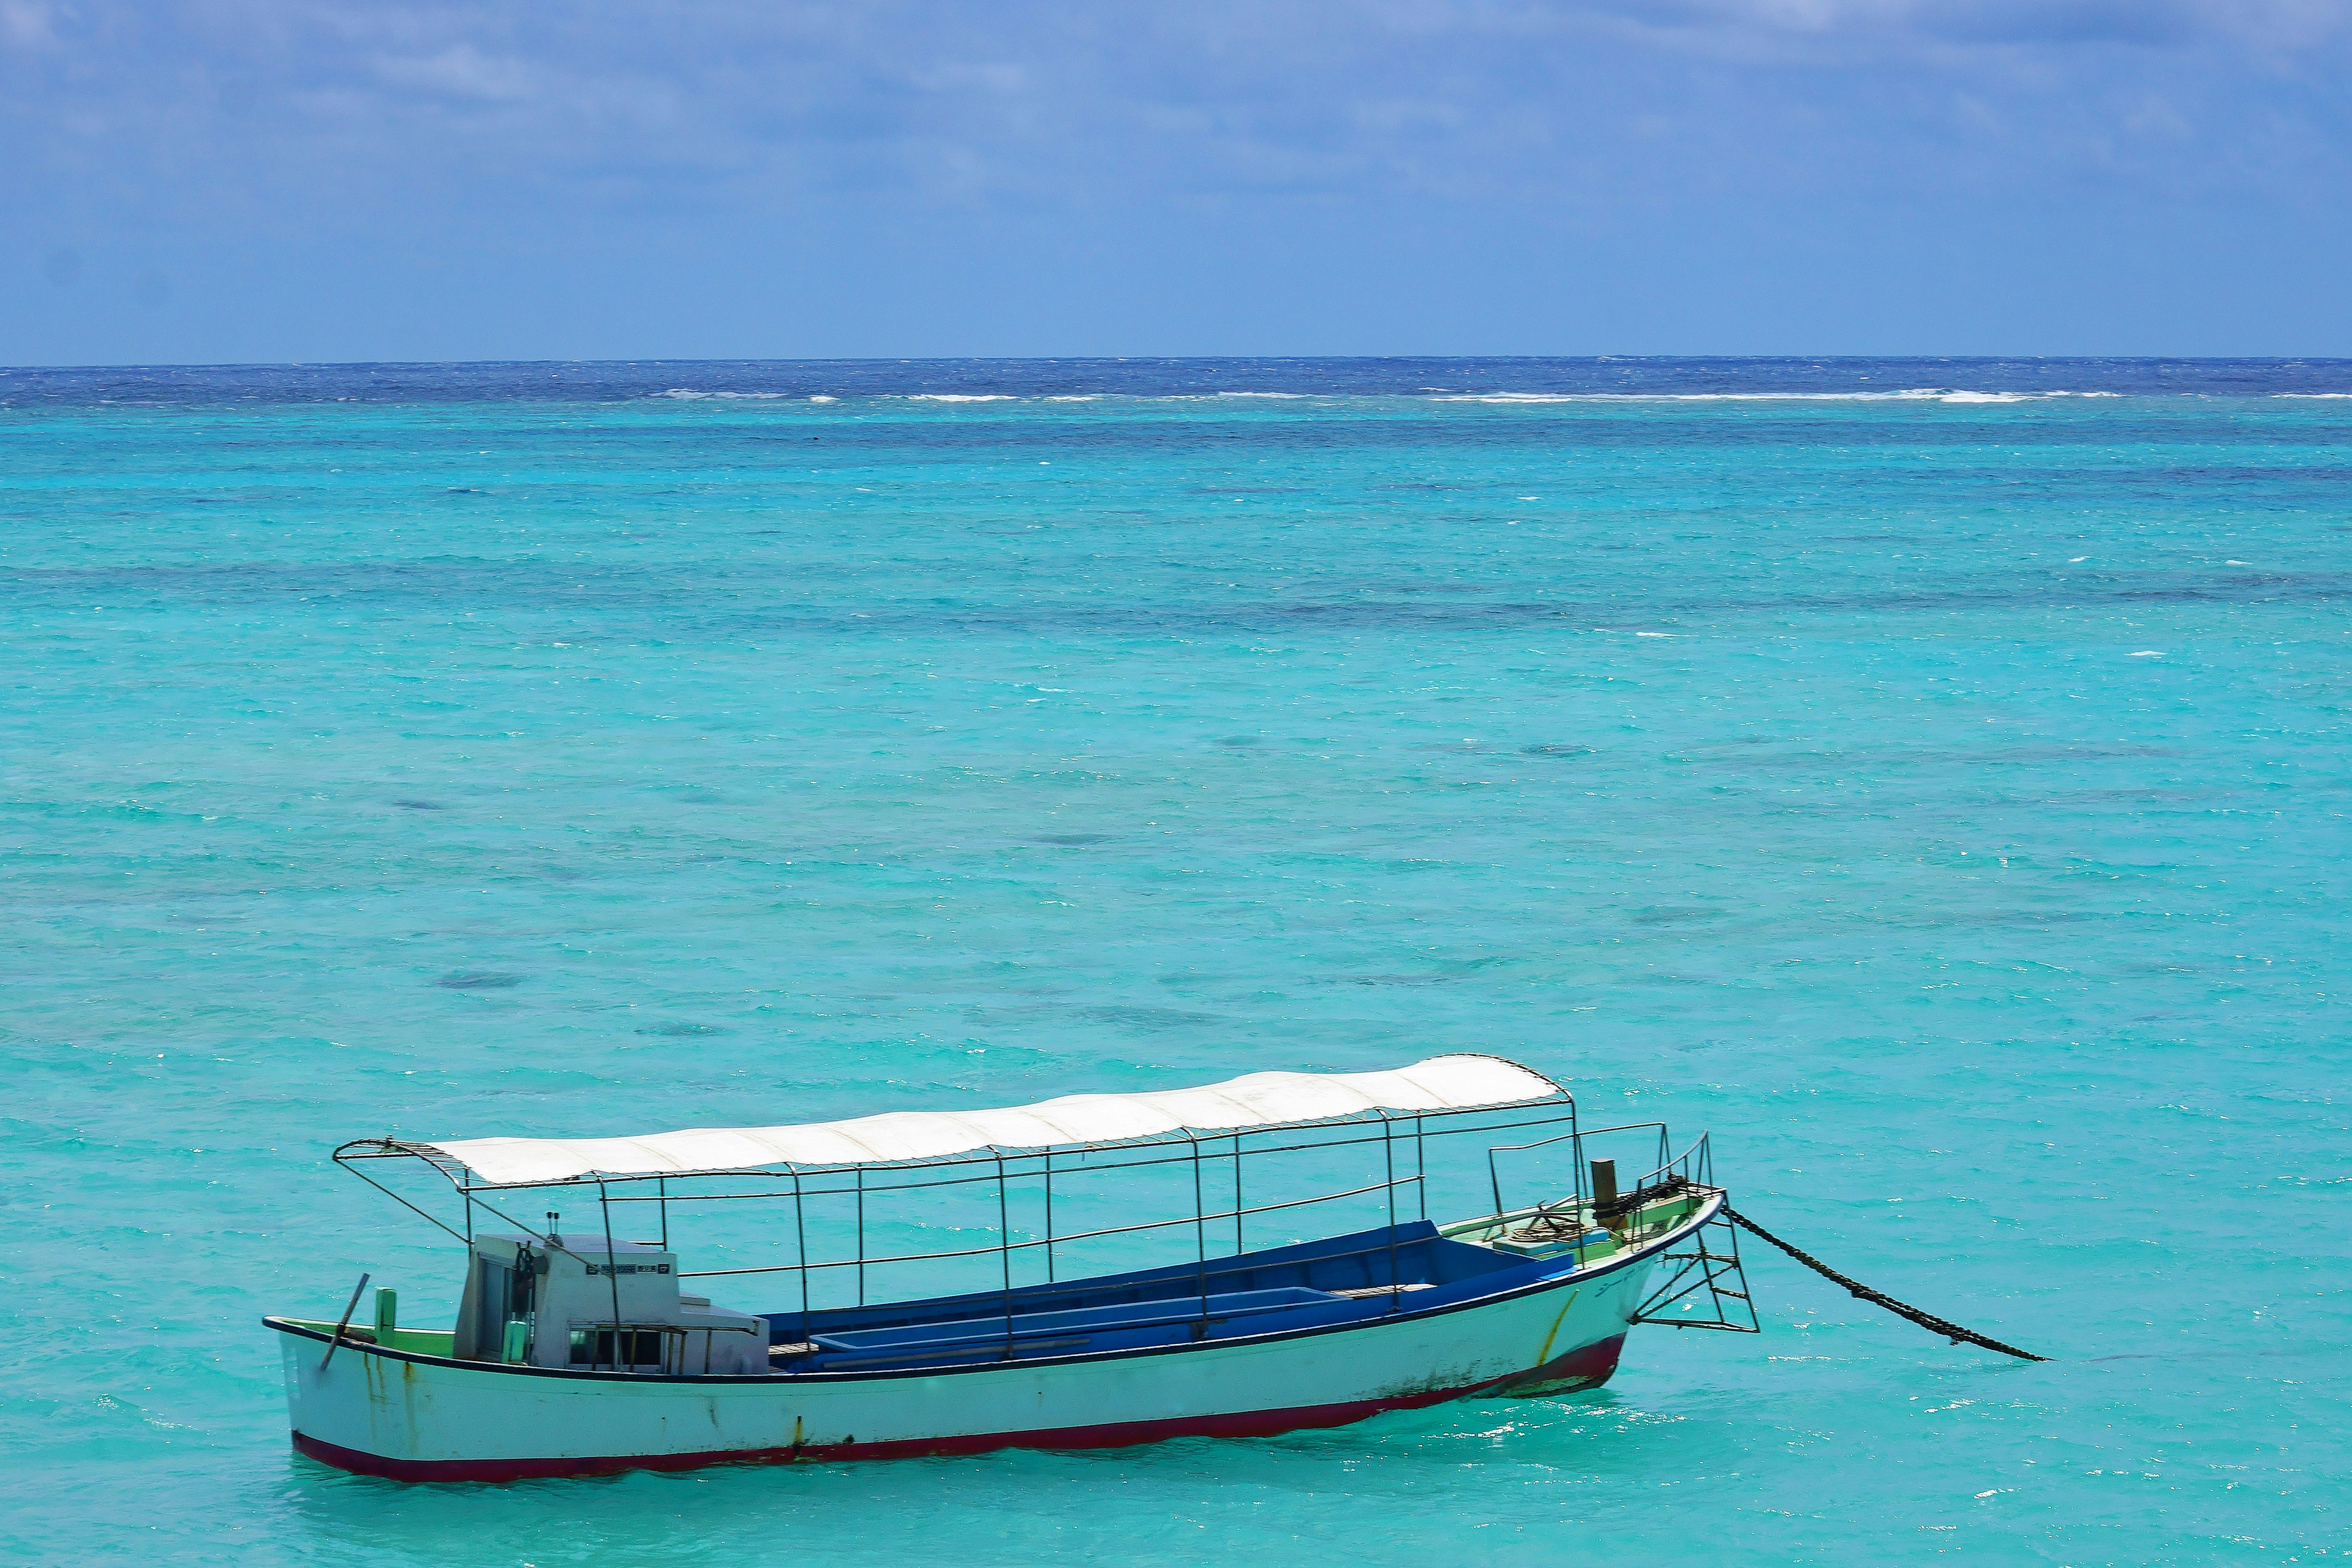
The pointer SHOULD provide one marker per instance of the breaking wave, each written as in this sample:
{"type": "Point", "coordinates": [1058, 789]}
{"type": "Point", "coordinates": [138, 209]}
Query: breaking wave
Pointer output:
{"type": "Point", "coordinates": [1908, 395]}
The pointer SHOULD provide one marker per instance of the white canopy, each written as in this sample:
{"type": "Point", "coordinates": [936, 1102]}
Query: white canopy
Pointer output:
{"type": "Point", "coordinates": [1259, 1100]}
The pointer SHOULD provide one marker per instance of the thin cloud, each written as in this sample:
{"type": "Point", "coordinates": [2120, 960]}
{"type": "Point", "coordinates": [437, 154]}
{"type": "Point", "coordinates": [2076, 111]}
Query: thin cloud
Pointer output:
{"type": "Point", "coordinates": [462, 71]}
{"type": "Point", "coordinates": [1543, 117]}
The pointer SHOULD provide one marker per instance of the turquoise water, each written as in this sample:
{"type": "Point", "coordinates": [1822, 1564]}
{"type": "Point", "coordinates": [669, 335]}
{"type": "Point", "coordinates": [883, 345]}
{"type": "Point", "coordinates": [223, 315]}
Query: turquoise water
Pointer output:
{"type": "Point", "coordinates": [1941, 801]}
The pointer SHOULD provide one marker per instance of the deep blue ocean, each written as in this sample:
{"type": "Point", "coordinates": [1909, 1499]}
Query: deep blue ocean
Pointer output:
{"type": "Point", "coordinates": [1930, 777]}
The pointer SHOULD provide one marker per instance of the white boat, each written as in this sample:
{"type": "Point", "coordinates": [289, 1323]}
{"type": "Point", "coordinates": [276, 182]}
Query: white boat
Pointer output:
{"type": "Point", "coordinates": [578, 1353]}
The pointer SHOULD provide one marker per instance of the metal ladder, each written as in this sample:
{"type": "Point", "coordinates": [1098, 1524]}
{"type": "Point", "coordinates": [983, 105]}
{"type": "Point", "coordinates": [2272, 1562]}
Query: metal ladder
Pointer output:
{"type": "Point", "coordinates": [1707, 1275]}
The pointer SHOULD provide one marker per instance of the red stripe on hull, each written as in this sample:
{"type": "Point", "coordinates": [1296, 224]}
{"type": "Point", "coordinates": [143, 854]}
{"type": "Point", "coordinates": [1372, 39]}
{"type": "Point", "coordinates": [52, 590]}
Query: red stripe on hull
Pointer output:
{"type": "Point", "coordinates": [1589, 1367]}
{"type": "Point", "coordinates": [1115, 1435]}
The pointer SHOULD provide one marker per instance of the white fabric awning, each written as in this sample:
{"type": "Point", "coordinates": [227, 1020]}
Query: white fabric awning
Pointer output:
{"type": "Point", "coordinates": [1262, 1099]}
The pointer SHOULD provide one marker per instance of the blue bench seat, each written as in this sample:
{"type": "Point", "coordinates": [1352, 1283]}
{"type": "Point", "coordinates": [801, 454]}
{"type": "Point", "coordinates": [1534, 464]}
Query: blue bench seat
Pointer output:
{"type": "Point", "coordinates": [1299, 1284]}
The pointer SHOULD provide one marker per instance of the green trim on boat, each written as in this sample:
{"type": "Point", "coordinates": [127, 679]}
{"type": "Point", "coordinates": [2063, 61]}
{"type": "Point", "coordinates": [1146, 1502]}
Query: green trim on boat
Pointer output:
{"type": "Point", "coordinates": [416, 1341]}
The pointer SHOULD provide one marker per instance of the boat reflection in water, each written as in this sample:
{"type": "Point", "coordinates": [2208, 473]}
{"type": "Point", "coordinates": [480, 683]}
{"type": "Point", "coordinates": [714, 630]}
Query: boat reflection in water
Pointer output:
{"type": "Point", "coordinates": [577, 1352]}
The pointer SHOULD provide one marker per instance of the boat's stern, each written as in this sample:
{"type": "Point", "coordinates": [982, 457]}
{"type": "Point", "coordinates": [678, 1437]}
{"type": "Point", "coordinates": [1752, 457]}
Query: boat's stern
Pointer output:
{"type": "Point", "coordinates": [346, 1395]}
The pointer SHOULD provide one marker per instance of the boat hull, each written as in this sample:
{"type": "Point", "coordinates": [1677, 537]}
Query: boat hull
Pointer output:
{"type": "Point", "coordinates": [417, 1417]}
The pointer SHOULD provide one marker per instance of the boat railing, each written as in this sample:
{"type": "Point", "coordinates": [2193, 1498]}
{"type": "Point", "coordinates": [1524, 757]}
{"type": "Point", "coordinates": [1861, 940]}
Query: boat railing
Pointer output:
{"type": "Point", "coordinates": [1062, 1239]}
{"type": "Point", "coordinates": [1688, 1176]}
{"type": "Point", "coordinates": [1694, 1167]}
{"type": "Point", "coordinates": [1694, 1164]}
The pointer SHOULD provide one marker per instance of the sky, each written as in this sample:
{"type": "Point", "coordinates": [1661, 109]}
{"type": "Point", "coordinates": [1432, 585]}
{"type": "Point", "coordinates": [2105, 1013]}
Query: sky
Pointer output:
{"type": "Point", "coordinates": [213, 181]}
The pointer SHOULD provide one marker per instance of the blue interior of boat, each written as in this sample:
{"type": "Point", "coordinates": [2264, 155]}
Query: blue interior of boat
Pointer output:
{"type": "Point", "coordinates": [1339, 1279]}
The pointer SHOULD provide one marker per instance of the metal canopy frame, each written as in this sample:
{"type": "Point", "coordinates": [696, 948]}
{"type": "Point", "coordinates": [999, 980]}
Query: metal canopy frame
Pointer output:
{"type": "Point", "coordinates": [1002, 1168]}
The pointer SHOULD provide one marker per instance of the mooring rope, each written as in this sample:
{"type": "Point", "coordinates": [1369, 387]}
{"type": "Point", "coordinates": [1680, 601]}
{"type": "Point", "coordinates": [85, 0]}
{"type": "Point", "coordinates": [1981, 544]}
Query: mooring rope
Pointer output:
{"type": "Point", "coordinates": [1951, 1331]}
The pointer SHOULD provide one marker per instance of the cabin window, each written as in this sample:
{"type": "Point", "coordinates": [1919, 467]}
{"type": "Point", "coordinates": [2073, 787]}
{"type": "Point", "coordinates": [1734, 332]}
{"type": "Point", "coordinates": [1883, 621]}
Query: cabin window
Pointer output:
{"type": "Point", "coordinates": [639, 1347]}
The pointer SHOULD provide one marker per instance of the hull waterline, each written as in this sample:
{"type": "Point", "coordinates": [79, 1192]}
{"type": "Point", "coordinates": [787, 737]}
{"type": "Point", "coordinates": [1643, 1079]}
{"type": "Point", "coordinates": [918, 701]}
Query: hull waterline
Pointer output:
{"type": "Point", "coordinates": [1587, 1368]}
